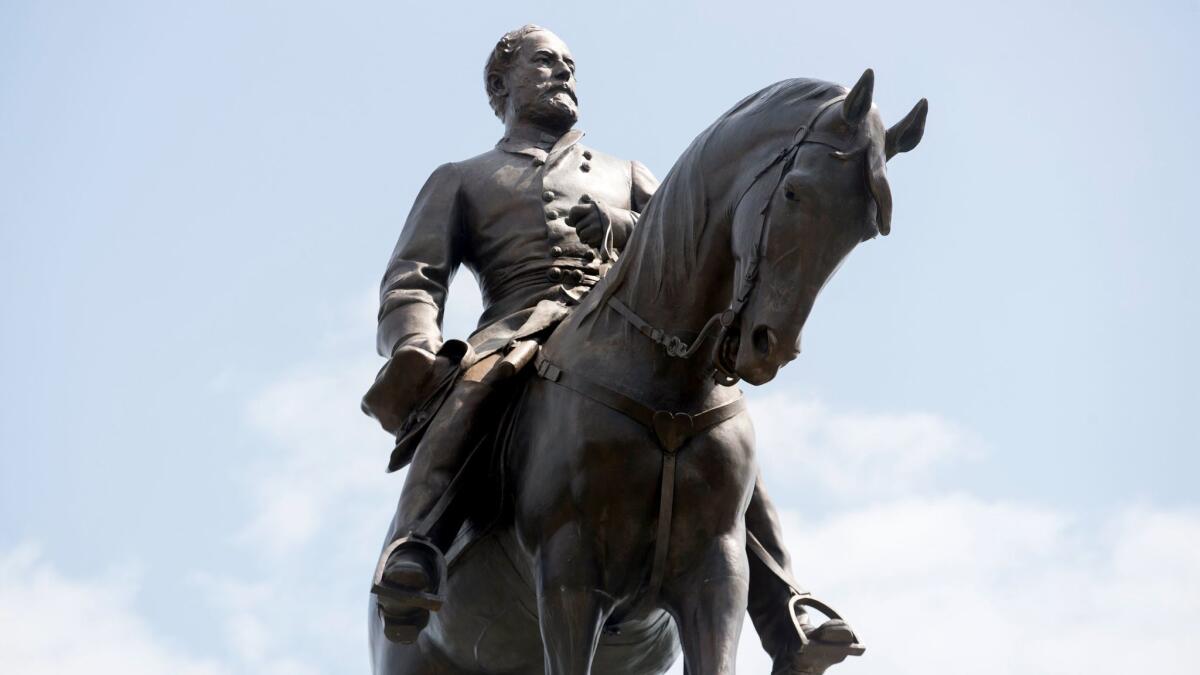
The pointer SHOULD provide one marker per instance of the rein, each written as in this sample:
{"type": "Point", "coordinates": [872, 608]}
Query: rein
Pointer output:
{"type": "Point", "coordinates": [674, 345]}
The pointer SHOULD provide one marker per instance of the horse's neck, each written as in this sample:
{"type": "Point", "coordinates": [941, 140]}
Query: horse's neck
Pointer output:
{"type": "Point", "coordinates": [608, 348]}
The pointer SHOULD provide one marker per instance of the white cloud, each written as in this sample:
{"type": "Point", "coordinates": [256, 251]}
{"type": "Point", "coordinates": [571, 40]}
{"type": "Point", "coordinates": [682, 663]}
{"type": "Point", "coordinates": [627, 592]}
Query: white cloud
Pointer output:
{"type": "Point", "coordinates": [804, 444]}
{"type": "Point", "coordinates": [325, 468]}
{"type": "Point", "coordinates": [321, 504]}
{"type": "Point", "coordinates": [959, 585]}
{"type": "Point", "coordinates": [51, 624]}
{"type": "Point", "coordinates": [951, 583]}
{"type": "Point", "coordinates": [327, 458]}
{"type": "Point", "coordinates": [263, 627]}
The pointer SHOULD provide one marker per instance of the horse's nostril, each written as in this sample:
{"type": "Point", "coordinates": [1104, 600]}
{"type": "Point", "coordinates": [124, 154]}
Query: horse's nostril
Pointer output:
{"type": "Point", "coordinates": [764, 341]}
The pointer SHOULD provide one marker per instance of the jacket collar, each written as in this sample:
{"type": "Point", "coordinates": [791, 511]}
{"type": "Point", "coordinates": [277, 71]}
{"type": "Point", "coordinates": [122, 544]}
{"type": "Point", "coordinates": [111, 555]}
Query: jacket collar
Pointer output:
{"type": "Point", "coordinates": [536, 148]}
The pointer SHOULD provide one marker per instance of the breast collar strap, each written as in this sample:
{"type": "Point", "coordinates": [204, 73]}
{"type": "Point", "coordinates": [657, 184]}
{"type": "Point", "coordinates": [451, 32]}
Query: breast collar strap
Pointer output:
{"type": "Point", "coordinates": [672, 429]}
{"type": "Point", "coordinates": [728, 319]}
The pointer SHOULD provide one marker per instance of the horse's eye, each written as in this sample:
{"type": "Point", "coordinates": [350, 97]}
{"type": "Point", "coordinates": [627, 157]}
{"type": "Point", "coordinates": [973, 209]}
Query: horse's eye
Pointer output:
{"type": "Point", "coordinates": [793, 191]}
{"type": "Point", "coordinates": [838, 155]}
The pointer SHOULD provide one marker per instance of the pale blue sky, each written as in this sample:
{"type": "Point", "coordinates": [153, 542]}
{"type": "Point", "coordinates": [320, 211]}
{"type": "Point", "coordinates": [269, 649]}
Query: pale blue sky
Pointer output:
{"type": "Point", "coordinates": [197, 201]}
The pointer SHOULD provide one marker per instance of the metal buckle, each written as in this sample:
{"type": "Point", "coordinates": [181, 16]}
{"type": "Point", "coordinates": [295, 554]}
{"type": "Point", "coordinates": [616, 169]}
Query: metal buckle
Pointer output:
{"type": "Point", "coordinates": [547, 370]}
{"type": "Point", "coordinates": [675, 346]}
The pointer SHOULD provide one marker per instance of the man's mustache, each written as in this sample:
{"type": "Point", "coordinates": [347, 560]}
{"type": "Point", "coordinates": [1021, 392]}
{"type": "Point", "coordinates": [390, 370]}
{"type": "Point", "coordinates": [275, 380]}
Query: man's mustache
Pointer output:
{"type": "Point", "coordinates": [561, 87]}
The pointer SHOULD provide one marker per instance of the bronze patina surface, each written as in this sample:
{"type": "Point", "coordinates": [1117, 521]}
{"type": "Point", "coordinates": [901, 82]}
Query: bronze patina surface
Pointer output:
{"type": "Point", "coordinates": [582, 494]}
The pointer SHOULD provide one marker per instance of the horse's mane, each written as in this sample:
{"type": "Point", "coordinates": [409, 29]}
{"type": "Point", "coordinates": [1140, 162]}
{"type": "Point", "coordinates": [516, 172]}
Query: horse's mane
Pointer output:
{"type": "Point", "coordinates": [706, 180]}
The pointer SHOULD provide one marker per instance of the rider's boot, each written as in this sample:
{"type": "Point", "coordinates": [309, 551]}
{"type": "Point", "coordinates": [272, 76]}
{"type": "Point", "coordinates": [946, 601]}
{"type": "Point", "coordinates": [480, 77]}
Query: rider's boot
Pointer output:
{"type": "Point", "coordinates": [410, 576]}
{"type": "Point", "coordinates": [776, 607]}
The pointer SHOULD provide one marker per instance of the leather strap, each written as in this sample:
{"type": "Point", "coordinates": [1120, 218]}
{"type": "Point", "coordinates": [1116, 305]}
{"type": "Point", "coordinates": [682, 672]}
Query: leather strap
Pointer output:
{"type": "Point", "coordinates": [638, 322]}
{"type": "Point", "coordinates": [768, 560]}
{"type": "Point", "coordinates": [800, 597]}
{"type": "Point", "coordinates": [662, 539]}
{"type": "Point", "coordinates": [672, 429]}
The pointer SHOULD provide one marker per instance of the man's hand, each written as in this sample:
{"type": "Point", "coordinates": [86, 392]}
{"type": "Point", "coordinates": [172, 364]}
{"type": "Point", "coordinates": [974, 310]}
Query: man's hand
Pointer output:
{"type": "Point", "coordinates": [402, 384]}
{"type": "Point", "coordinates": [589, 220]}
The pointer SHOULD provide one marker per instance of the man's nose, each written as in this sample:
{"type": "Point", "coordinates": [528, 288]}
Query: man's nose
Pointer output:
{"type": "Point", "coordinates": [562, 73]}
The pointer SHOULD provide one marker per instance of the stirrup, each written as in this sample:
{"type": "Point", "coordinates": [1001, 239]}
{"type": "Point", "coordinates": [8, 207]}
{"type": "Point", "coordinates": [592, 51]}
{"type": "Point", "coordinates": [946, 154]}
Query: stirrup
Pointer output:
{"type": "Point", "coordinates": [405, 626]}
{"type": "Point", "coordinates": [816, 655]}
{"type": "Point", "coordinates": [429, 600]}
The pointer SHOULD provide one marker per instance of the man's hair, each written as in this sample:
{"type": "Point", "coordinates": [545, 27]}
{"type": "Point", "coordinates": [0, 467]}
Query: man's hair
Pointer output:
{"type": "Point", "coordinates": [499, 61]}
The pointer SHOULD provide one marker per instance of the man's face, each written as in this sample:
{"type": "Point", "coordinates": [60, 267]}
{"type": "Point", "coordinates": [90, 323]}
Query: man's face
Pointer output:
{"type": "Point", "coordinates": [541, 82]}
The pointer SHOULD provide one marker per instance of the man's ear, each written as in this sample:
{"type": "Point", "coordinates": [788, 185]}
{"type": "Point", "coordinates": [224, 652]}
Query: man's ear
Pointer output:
{"type": "Point", "coordinates": [496, 85]}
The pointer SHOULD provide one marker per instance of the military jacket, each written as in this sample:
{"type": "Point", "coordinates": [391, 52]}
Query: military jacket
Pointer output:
{"type": "Point", "coordinates": [502, 215]}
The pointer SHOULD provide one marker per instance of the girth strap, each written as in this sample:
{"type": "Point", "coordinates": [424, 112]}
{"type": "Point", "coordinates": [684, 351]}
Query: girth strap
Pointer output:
{"type": "Point", "coordinates": [672, 429]}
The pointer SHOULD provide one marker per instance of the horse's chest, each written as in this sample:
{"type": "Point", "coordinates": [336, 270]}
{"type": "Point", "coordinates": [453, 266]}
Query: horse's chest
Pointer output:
{"type": "Point", "coordinates": [600, 473]}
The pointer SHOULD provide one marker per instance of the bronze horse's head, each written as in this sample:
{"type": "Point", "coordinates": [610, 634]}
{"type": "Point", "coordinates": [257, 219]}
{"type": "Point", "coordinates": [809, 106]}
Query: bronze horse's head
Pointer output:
{"type": "Point", "coordinates": [798, 221]}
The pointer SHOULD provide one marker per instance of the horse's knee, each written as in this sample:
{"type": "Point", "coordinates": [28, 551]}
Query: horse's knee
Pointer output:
{"type": "Point", "coordinates": [721, 570]}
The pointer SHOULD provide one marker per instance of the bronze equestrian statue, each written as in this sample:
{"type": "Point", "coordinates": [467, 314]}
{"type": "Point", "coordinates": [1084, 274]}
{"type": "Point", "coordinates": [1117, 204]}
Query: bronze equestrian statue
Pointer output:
{"type": "Point", "coordinates": [582, 492]}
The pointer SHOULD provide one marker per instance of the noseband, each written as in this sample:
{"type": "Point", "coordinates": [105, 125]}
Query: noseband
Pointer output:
{"type": "Point", "coordinates": [728, 319]}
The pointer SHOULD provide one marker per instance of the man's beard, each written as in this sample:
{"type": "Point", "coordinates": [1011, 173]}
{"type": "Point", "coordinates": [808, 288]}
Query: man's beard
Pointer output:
{"type": "Point", "coordinates": [551, 113]}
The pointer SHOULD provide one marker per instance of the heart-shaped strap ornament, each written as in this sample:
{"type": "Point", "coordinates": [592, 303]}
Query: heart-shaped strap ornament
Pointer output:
{"type": "Point", "coordinates": [673, 429]}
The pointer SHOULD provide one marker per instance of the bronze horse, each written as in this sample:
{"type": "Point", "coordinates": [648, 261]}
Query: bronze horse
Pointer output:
{"type": "Point", "coordinates": [627, 460]}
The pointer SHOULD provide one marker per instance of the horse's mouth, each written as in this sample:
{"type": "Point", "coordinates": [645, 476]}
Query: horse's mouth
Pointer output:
{"type": "Point", "coordinates": [725, 358]}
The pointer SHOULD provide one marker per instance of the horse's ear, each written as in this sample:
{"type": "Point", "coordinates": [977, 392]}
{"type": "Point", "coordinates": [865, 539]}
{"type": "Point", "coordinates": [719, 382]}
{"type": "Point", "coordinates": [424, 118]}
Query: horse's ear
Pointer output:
{"type": "Point", "coordinates": [858, 101]}
{"type": "Point", "coordinates": [905, 134]}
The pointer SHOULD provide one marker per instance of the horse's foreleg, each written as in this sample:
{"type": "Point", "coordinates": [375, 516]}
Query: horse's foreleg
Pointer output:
{"type": "Point", "coordinates": [708, 604]}
{"type": "Point", "coordinates": [571, 607]}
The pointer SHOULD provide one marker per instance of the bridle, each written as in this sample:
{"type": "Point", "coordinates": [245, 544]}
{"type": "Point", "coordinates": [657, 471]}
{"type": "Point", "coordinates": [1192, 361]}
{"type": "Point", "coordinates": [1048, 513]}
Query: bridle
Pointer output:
{"type": "Point", "coordinates": [728, 319]}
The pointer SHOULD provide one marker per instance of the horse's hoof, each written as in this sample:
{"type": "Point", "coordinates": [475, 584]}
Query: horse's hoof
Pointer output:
{"type": "Point", "coordinates": [404, 628]}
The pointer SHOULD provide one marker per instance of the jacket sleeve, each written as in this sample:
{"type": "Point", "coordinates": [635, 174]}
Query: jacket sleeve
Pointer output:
{"type": "Point", "coordinates": [412, 296]}
{"type": "Point", "coordinates": [642, 185]}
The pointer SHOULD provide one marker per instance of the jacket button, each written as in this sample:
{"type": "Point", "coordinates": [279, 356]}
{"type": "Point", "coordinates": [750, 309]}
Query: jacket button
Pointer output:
{"type": "Point", "coordinates": [576, 276]}
{"type": "Point", "coordinates": [556, 251]}
{"type": "Point", "coordinates": [548, 196]}
{"type": "Point", "coordinates": [585, 168]}
{"type": "Point", "coordinates": [589, 255]}
{"type": "Point", "coordinates": [554, 274]}
{"type": "Point", "coordinates": [551, 214]}
{"type": "Point", "coordinates": [587, 154]}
